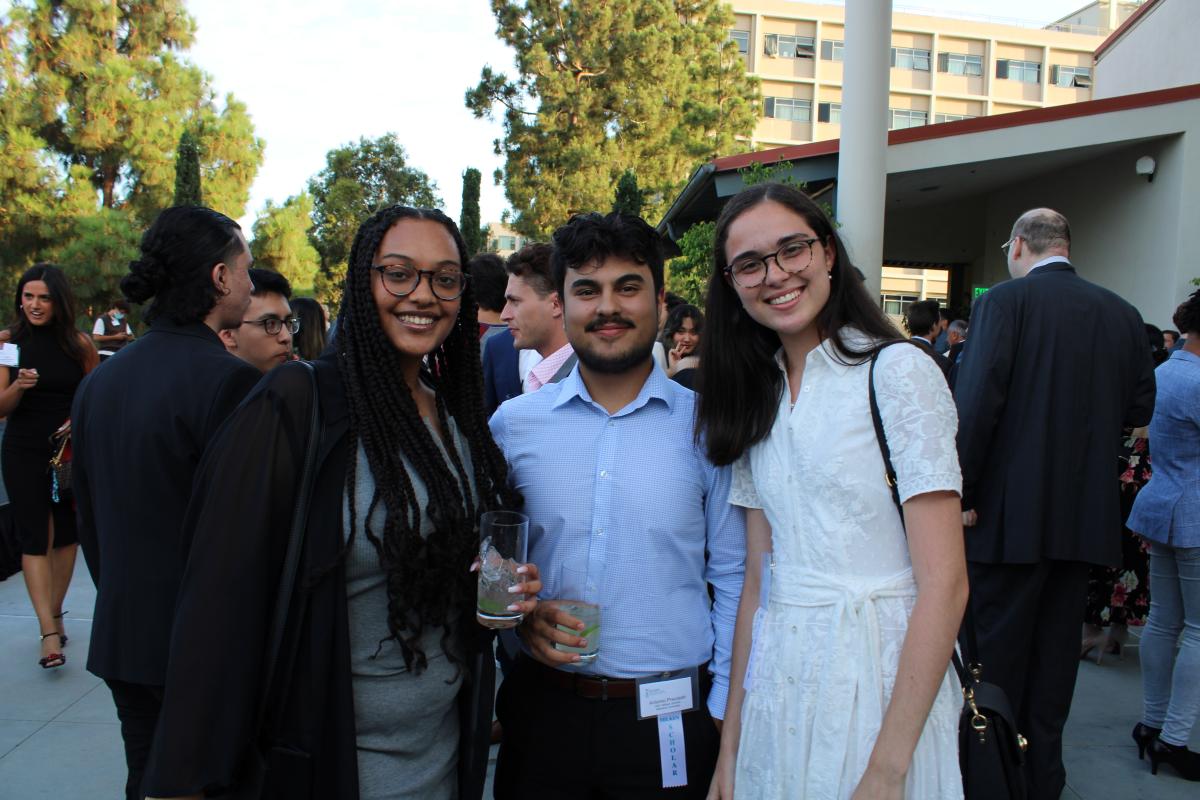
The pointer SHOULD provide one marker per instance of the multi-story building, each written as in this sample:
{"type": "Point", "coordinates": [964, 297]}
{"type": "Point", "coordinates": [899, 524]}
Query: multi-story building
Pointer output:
{"type": "Point", "coordinates": [943, 69]}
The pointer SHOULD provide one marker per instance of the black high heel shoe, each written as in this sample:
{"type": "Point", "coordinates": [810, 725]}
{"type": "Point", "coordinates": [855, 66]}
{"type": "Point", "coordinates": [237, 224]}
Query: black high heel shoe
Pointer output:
{"type": "Point", "coordinates": [1185, 762]}
{"type": "Point", "coordinates": [1144, 736]}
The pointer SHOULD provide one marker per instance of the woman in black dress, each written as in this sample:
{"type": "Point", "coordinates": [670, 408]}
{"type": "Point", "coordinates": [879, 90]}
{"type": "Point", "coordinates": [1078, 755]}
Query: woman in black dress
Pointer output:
{"type": "Point", "coordinates": [36, 397]}
{"type": "Point", "coordinates": [391, 681]}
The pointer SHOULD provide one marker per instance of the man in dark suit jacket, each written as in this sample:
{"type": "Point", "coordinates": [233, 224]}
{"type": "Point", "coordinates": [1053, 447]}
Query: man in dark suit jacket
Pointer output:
{"type": "Point", "coordinates": [1055, 367]}
{"type": "Point", "coordinates": [501, 370]}
{"type": "Point", "coordinates": [922, 320]}
{"type": "Point", "coordinates": [140, 423]}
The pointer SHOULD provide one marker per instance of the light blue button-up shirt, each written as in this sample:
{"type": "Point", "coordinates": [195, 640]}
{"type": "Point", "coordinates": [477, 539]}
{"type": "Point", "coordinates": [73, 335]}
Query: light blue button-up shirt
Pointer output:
{"type": "Point", "coordinates": [1167, 509]}
{"type": "Point", "coordinates": [634, 496]}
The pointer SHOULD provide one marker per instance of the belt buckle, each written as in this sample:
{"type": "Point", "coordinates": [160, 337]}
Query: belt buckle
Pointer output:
{"type": "Point", "coordinates": [604, 689]}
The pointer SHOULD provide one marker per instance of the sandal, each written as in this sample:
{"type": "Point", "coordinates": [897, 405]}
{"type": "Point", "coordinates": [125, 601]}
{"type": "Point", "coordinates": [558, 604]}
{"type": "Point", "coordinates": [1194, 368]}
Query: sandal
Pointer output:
{"type": "Point", "coordinates": [54, 659]}
{"type": "Point", "coordinates": [64, 636]}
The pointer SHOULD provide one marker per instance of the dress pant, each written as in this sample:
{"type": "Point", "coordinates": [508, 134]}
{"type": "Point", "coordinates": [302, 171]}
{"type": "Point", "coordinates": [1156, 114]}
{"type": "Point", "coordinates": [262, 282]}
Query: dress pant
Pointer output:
{"type": "Point", "coordinates": [1028, 618]}
{"type": "Point", "coordinates": [138, 706]}
{"type": "Point", "coordinates": [559, 746]}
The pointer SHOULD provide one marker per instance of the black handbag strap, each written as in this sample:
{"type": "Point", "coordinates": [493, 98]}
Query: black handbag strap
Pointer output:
{"type": "Point", "coordinates": [972, 645]}
{"type": "Point", "coordinates": [272, 675]}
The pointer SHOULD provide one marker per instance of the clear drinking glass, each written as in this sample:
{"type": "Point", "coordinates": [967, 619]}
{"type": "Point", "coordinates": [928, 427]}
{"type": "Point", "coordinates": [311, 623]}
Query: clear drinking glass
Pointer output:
{"type": "Point", "coordinates": [578, 595]}
{"type": "Point", "coordinates": [503, 546]}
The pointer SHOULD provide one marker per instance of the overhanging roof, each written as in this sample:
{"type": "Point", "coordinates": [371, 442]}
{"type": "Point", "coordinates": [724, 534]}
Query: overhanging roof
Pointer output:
{"type": "Point", "coordinates": [1003, 148]}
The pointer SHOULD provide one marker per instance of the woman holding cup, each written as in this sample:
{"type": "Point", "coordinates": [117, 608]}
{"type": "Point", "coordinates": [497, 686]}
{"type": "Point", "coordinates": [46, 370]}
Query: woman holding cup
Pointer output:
{"type": "Point", "coordinates": [390, 691]}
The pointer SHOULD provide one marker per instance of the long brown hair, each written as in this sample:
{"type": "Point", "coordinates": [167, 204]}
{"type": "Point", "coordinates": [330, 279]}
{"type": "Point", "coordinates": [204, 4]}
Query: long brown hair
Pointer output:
{"type": "Point", "coordinates": [62, 321]}
{"type": "Point", "coordinates": [738, 383]}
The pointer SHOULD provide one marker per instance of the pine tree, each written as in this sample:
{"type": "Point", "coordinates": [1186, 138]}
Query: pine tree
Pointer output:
{"type": "Point", "coordinates": [281, 242]}
{"type": "Point", "coordinates": [649, 85]}
{"type": "Point", "coordinates": [629, 198]}
{"type": "Point", "coordinates": [468, 221]}
{"type": "Point", "coordinates": [187, 172]}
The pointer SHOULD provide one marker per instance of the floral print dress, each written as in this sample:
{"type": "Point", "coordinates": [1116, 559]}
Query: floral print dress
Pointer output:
{"type": "Point", "coordinates": [1121, 595]}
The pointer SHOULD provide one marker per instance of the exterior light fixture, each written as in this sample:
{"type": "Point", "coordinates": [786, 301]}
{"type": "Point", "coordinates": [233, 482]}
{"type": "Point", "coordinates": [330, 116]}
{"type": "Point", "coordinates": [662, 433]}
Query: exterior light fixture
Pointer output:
{"type": "Point", "coordinates": [1145, 166]}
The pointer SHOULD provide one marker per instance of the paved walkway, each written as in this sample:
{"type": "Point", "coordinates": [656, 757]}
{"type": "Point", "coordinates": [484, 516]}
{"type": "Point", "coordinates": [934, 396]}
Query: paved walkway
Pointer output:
{"type": "Point", "coordinates": [59, 737]}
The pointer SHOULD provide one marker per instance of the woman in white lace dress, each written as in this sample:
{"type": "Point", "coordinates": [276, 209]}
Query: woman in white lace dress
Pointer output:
{"type": "Point", "coordinates": [841, 684]}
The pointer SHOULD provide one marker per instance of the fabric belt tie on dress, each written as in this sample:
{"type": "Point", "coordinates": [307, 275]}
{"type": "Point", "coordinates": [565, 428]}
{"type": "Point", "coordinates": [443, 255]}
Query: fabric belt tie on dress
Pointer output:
{"type": "Point", "coordinates": [847, 675]}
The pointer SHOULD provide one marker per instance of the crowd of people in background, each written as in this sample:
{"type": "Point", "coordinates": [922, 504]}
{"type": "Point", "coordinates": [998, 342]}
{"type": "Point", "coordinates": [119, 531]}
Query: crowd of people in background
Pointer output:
{"type": "Point", "coordinates": [783, 501]}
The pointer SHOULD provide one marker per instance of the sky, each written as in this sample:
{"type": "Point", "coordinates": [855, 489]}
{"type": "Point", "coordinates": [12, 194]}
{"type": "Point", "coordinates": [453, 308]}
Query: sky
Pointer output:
{"type": "Point", "coordinates": [316, 75]}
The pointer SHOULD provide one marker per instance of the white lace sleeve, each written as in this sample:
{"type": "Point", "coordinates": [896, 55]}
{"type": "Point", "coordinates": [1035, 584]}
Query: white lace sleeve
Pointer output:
{"type": "Point", "coordinates": [742, 492]}
{"type": "Point", "coordinates": [919, 420]}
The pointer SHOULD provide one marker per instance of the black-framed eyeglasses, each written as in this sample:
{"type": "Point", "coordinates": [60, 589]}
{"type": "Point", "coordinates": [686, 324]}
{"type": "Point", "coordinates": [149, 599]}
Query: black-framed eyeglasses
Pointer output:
{"type": "Point", "coordinates": [1004, 248]}
{"type": "Point", "coordinates": [749, 272]}
{"type": "Point", "coordinates": [273, 325]}
{"type": "Point", "coordinates": [447, 283]}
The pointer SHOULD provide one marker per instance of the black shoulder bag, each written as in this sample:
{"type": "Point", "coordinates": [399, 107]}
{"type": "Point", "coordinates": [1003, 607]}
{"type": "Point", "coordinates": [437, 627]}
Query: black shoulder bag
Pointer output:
{"type": "Point", "coordinates": [991, 752]}
{"type": "Point", "coordinates": [277, 667]}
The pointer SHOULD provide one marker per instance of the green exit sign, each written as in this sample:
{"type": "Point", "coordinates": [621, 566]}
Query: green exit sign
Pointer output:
{"type": "Point", "coordinates": [978, 292]}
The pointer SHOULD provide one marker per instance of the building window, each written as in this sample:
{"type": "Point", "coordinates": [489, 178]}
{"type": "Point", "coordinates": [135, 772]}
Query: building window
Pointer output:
{"type": "Point", "coordinates": [787, 108]}
{"type": "Point", "coordinates": [832, 50]}
{"type": "Point", "coordinates": [906, 118]}
{"type": "Point", "coordinates": [501, 243]}
{"type": "Point", "coordinates": [743, 40]}
{"type": "Point", "coordinates": [1024, 71]}
{"type": "Point", "coordinates": [897, 304]}
{"type": "Point", "coordinates": [781, 46]}
{"type": "Point", "coordinates": [960, 64]}
{"type": "Point", "coordinates": [1071, 77]}
{"type": "Point", "coordinates": [910, 58]}
{"type": "Point", "coordinates": [829, 112]}
{"type": "Point", "coordinates": [939, 118]}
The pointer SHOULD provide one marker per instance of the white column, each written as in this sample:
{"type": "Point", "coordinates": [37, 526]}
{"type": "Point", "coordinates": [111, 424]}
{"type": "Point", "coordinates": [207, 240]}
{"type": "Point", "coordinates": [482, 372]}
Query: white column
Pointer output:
{"type": "Point", "coordinates": [862, 160]}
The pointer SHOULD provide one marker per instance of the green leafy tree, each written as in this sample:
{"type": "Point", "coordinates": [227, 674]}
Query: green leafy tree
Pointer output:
{"type": "Point", "coordinates": [629, 199]}
{"type": "Point", "coordinates": [95, 250]}
{"type": "Point", "coordinates": [94, 99]}
{"type": "Point", "coordinates": [281, 242]}
{"type": "Point", "coordinates": [359, 179]}
{"type": "Point", "coordinates": [187, 171]}
{"type": "Point", "coordinates": [688, 275]}
{"type": "Point", "coordinates": [648, 85]}
{"type": "Point", "coordinates": [468, 221]}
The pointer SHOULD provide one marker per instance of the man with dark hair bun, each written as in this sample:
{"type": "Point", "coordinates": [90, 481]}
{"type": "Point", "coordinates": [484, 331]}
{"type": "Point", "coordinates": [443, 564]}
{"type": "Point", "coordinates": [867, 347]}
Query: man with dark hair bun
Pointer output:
{"type": "Point", "coordinates": [140, 426]}
{"type": "Point", "coordinates": [593, 456]}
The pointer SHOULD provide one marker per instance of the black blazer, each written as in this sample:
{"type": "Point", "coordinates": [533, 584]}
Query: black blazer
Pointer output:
{"type": "Point", "coordinates": [1055, 367]}
{"type": "Point", "coordinates": [240, 521]}
{"type": "Point", "coordinates": [140, 423]}
{"type": "Point", "coordinates": [501, 371]}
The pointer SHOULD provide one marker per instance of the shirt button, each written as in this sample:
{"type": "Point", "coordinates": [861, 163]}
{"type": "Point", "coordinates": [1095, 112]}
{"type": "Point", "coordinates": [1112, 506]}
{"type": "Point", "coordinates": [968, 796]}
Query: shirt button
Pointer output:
{"type": "Point", "coordinates": [599, 531]}
{"type": "Point", "coordinates": [808, 388]}
{"type": "Point", "coordinates": [792, 731]}
{"type": "Point", "coordinates": [791, 679]}
{"type": "Point", "coordinates": [603, 473]}
{"type": "Point", "coordinates": [612, 424]}
{"type": "Point", "coordinates": [794, 629]}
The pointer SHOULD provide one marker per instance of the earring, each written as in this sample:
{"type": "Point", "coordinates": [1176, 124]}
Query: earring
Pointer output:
{"type": "Point", "coordinates": [829, 275]}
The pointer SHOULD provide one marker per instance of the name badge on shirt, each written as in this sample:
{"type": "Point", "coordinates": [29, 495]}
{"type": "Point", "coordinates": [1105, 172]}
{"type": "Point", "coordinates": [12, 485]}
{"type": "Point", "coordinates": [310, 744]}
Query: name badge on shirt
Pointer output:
{"type": "Point", "coordinates": [668, 696]}
{"type": "Point", "coordinates": [668, 693]}
{"type": "Point", "coordinates": [10, 355]}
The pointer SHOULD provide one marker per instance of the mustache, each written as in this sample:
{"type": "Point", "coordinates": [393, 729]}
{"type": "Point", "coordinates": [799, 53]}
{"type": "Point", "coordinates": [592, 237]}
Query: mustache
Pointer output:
{"type": "Point", "coordinates": [614, 319]}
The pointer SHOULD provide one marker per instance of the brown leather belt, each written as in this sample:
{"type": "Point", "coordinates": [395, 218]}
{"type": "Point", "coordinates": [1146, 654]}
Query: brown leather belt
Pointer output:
{"type": "Point", "coordinates": [593, 687]}
{"type": "Point", "coordinates": [589, 687]}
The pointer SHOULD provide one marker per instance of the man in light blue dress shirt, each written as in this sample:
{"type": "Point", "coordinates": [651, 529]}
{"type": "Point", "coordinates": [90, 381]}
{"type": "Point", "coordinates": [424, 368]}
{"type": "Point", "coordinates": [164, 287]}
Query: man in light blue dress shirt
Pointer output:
{"type": "Point", "coordinates": [613, 479]}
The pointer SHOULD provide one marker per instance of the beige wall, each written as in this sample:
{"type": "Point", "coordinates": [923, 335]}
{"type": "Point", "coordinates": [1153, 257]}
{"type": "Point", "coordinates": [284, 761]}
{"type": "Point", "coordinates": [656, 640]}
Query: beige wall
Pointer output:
{"type": "Point", "coordinates": [911, 89]}
{"type": "Point", "coordinates": [1158, 52]}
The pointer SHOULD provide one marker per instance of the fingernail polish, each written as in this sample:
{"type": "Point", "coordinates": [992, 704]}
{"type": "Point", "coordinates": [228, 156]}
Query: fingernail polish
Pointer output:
{"type": "Point", "coordinates": [513, 607]}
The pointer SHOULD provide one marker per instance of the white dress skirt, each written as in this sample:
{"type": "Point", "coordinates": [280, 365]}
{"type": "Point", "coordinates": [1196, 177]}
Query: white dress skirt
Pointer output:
{"type": "Point", "coordinates": [840, 590]}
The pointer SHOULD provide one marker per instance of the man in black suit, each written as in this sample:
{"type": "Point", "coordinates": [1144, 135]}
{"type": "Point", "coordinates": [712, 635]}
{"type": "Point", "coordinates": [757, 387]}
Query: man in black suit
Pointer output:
{"type": "Point", "coordinates": [140, 424]}
{"type": "Point", "coordinates": [923, 322]}
{"type": "Point", "coordinates": [956, 334]}
{"type": "Point", "coordinates": [1054, 368]}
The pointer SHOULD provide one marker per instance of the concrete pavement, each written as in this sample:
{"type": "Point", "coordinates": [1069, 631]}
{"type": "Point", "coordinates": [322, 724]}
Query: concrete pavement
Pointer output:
{"type": "Point", "coordinates": [60, 740]}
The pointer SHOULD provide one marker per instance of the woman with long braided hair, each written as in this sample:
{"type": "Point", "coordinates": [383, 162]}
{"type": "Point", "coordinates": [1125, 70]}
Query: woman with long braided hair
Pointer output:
{"type": "Point", "coordinates": [383, 686]}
